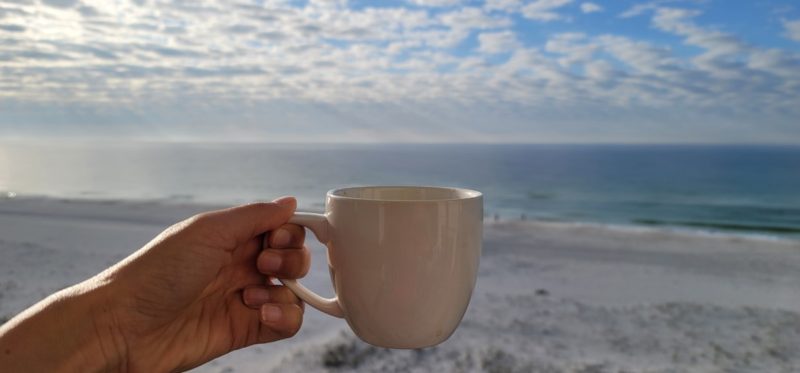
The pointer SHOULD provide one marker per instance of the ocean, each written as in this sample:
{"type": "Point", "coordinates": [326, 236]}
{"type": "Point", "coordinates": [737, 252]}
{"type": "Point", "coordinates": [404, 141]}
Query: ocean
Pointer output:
{"type": "Point", "coordinates": [744, 189]}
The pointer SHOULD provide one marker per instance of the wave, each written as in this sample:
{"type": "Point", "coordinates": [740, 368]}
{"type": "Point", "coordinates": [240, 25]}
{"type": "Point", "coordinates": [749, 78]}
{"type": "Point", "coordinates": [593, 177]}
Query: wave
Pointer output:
{"type": "Point", "coordinates": [740, 227]}
{"type": "Point", "coordinates": [541, 195]}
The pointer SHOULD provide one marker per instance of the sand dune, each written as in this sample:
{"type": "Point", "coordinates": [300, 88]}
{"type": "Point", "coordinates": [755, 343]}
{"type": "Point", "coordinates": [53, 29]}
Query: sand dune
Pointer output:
{"type": "Point", "coordinates": [551, 297]}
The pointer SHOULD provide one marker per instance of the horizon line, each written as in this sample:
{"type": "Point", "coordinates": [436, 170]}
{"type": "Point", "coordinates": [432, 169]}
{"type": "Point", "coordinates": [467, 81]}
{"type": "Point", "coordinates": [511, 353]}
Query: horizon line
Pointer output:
{"type": "Point", "coordinates": [267, 142]}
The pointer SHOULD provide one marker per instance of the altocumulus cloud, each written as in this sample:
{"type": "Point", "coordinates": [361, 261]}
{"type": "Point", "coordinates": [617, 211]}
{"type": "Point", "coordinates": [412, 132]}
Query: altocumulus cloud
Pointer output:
{"type": "Point", "coordinates": [591, 8]}
{"type": "Point", "coordinates": [419, 70]}
{"type": "Point", "coordinates": [792, 29]}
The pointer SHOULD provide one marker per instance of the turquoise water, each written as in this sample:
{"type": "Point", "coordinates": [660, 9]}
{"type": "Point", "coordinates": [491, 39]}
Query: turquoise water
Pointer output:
{"type": "Point", "coordinates": [752, 189]}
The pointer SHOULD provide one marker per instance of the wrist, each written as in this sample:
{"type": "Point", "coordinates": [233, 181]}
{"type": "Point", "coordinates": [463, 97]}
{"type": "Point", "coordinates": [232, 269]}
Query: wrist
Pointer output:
{"type": "Point", "coordinates": [105, 339]}
{"type": "Point", "coordinates": [72, 330]}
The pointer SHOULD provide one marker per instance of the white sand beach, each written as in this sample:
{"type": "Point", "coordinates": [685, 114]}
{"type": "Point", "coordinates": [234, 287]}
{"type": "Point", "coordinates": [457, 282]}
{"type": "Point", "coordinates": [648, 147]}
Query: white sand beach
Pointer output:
{"type": "Point", "coordinates": [550, 297]}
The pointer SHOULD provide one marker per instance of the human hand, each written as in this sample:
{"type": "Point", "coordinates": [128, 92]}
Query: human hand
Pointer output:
{"type": "Point", "coordinates": [198, 290]}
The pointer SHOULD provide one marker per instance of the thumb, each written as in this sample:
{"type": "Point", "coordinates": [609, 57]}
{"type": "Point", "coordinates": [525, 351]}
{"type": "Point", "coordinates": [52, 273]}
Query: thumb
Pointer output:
{"type": "Point", "coordinates": [242, 223]}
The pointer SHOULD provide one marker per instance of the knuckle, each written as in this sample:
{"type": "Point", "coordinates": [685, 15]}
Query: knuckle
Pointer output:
{"type": "Point", "coordinates": [305, 262]}
{"type": "Point", "coordinates": [296, 264]}
{"type": "Point", "coordinates": [281, 293]}
{"type": "Point", "coordinates": [290, 296]}
{"type": "Point", "coordinates": [297, 230]}
{"type": "Point", "coordinates": [256, 295]}
{"type": "Point", "coordinates": [270, 262]}
{"type": "Point", "coordinates": [301, 271]}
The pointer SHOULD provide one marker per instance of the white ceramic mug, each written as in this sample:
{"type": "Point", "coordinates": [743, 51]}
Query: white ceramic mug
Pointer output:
{"type": "Point", "coordinates": [403, 260]}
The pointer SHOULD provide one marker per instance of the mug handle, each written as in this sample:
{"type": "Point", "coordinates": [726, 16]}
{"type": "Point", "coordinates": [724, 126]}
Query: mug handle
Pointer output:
{"type": "Point", "coordinates": [317, 223]}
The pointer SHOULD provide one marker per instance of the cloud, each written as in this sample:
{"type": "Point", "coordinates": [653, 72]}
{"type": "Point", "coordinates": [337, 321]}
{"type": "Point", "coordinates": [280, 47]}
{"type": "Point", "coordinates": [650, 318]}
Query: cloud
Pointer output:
{"type": "Point", "coordinates": [504, 5]}
{"type": "Point", "coordinates": [544, 10]}
{"type": "Point", "coordinates": [435, 3]}
{"type": "Point", "coordinates": [450, 69]}
{"type": "Point", "coordinates": [473, 18]}
{"type": "Point", "coordinates": [640, 57]}
{"type": "Point", "coordinates": [460, 24]}
{"type": "Point", "coordinates": [60, 3]}
{"type": "Point", "coordinates": [723, 53]}
{"type": "Point", "coordinates": [674, 19]}
{"type": "Point", "coordinates": [591, 8]}
{"type": "Point", "coordinates": [12, 28]}
{"type": "Point", "coordinates": [792, 29]}
{"type": "Point", "coordinates": [638, 9]}
{"type": "Point", "coordinates": [88, 11]}
{"type": "Point", "coordinates": [497, 42]}
{"type": "Point", "coordinates": [572, 48]}
{"type": "Point", "coordinates": [642, 8]}
{"type": "Point", "coordinates": [780, 63]}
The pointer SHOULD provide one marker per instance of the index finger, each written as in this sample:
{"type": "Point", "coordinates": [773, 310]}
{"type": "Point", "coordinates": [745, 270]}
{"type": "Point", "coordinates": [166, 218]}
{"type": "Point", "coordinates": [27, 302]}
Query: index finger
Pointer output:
{"type": "Point", "coordinates": [242, 223]}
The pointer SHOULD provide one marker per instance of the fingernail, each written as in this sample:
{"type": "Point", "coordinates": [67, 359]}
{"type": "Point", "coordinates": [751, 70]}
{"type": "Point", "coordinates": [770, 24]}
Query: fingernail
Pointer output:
{"type": "Point", "coordinates": [272, 262]}
{"type": "Point", "coordinates": [281, 238]}
{"type": "Point", "coordinates": [285, 201]}
{"type": "Point", "coordinates": [270, 313]}
{"type": "Point", "coordinates": [257, 296]}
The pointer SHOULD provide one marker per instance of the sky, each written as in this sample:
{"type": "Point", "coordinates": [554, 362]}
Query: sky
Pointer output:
{"type": "Point", "coordinates": [522, 71]}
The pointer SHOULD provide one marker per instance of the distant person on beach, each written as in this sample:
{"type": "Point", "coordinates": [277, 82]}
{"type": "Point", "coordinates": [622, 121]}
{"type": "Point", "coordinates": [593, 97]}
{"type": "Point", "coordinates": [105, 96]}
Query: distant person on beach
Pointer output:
{"type": "Point", "coordinates": [200, 289]}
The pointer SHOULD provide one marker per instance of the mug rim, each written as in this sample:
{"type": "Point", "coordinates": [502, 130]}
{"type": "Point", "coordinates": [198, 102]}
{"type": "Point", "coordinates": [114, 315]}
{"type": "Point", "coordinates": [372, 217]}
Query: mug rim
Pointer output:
{"type": "Point", "coordinates": [468, 193]}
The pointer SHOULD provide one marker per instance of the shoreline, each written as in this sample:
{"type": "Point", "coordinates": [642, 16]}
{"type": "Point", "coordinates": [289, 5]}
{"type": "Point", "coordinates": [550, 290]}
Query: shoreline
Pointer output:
{"type": "Point", "coordinates": [558, 296]}
{"type": "Point", "coordinates": [639, 228]}
{"type": "Point", "coordinates": [192, 205]}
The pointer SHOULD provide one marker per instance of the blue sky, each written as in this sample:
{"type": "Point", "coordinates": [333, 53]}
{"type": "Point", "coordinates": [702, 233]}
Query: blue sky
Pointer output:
{"type": "Point", "coordinates": [401, 71]}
